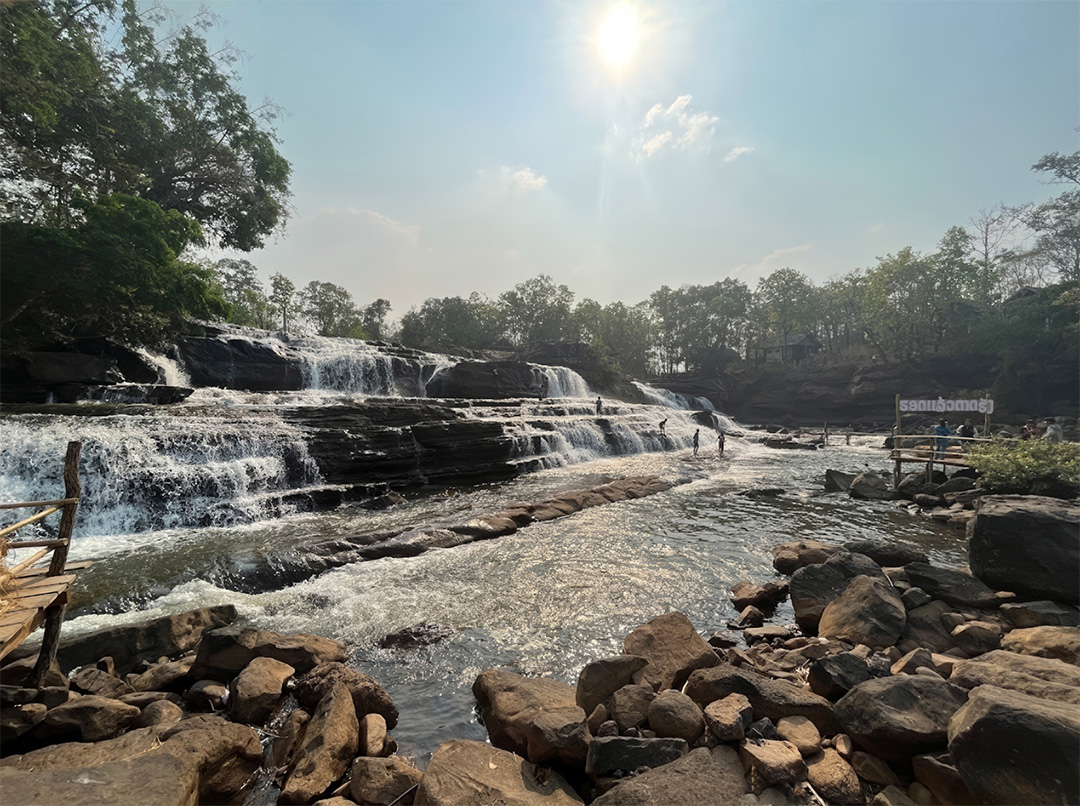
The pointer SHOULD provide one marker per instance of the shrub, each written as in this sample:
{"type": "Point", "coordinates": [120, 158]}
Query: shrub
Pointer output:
{"type": "Point", "coordinates": [1029, 467]}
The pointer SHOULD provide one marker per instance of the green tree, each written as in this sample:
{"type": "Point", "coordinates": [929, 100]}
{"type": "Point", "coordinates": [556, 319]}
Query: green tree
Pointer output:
{"type": "Point", "coordinates": [373, 318]}
{"type": "Point", "coordinates": [330, 310]}
{"type": "Point", "coordinates": [787, 302]}
{"type": "Point", "coordinates": [283, 296]}
{"type": "Point", "coordinates": [474, 323]}
{"type": "Point", "coordinates": [241, 288]}
{"type": "Point", "coordinates": [1056, 223]}
{"type": "Point", "coordinates": [537, 310]}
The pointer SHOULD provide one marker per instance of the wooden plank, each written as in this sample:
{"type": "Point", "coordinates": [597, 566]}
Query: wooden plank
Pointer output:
{"type": "Point", "coordinates": [22, 633]}
{"type": "Point", "coordinates": [30, 544]}
{"type": "Point", "coordinates": [43, 600]}
{"type": "Point", "coordinates": [33, 558]}
{"type": "Point", "coordinates": [36, 585]}
{"type": "Point", "coordinates": [37, 516]}
{"type": "Point", "coordinates": [77, 566]}
{"type": "Point", "coordinates": [57, 503]}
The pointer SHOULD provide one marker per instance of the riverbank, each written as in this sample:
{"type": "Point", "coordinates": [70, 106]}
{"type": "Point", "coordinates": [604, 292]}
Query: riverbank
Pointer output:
{"type": "Point", "coordinates": [911, 661]}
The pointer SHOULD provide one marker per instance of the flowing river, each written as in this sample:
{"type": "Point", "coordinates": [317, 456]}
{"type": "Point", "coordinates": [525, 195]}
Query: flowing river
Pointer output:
{"type": "Point", "coordinates": [542, 601]}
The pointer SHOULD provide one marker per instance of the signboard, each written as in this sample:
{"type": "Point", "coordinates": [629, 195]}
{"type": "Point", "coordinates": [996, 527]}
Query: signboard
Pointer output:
{"type": "Point", "coordinates": [982, 405]}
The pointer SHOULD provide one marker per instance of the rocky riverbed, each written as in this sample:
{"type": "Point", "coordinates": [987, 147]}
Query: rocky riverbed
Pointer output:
{"type": "Point", "coordinates": [899, 682]}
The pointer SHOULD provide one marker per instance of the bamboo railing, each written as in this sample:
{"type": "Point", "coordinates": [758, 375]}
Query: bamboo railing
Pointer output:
{"type": "Point", "coordinates": [68, 507]}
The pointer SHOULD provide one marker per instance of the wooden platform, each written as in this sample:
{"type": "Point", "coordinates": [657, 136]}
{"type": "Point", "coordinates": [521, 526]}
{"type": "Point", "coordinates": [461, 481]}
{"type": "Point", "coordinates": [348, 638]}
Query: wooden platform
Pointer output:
{"type": "Point", "coordinates": [33, 593]}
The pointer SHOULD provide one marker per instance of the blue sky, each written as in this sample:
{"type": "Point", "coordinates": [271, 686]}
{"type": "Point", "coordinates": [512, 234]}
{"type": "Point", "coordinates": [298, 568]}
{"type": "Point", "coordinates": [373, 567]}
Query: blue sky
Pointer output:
{"type": "Point", "coordinates": [443, 148]}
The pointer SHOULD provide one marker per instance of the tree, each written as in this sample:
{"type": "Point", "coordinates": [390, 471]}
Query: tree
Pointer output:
{"type": "Point", "coordinates": [283, 295]}
{"type": "Point", "coordinates": [536, 310]}
{"type": "Point", "coordinates": [897, 300]}
{"type": "Point", "coordinates": [330, 310]}
{"type": "Point", "coordinates": [786, 299]}
{"type": "Point", "coordinates": [474, 323]}
{"type": "Point", "coordinates": [241, 288]}
{"type": "Point", "coordinates": [373, 318]}
{"type": "Point", "coordinates": [1056, 222]}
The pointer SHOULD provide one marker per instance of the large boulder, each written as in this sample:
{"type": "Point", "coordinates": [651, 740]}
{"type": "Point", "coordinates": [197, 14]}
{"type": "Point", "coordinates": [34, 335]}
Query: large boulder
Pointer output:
{"type": "Point", "coordinates": [869, 612]}
{"type": "Point", "coordinates": [833, 676]}
{"type": "Point", "coordinates": [465, 772]}
{"type": "Point", "coordinates": [238, 363]}
{"type": "Point", "coordinates": [1043, 613]}
{"type": "Point", "coordinates": [535, 717]}
{"type": "Point", "coordinates": [813, 587]}
{"type": "Point", "coordinates": [90, 718]}
{"type": "Point", "coordinates": [954, 587]}
{"type": "Point", "coordinates": [833, 778]}
{"type": "Point", "coordinates": [256, 691]}
{"type": "Point", "coordinates": [926, 628]}
{"type": "Point", "coordinates": [886, 553]}
{"type": "Point", "coordinates": [897, 717]}
{"type": "Point", "coordinates": [490, 380]}
{"type": "Point", "coordinates": [1062, 643]}
{"type": "Point", "coordinates": [871, 487]}
{"type": "Point", "coordinates": [382, 780]}
{"type": "Point", "coordinates": [673, 714]}
{"type": "Point", "coordinates": [790, 557]}
{"type": "Point", "coordinates": [329, 745]}
{"type": "Point", "coordinates": [1046, 678]}
{"type": "Point", "coordinates": [771, 762]}
{"type": "Point", "coordinates": [673, 649]}
{"type": "Point", "coordinates": [629, 706]}
{"type": "Point", "coordinates": [368, 696]}
{"type": "Point", "coordinates": [607, 754]}
{"type": "Point", "coordinates": [769, 698]}
{"type": "Point", "coordinates": [1027, 544]}
{"type": "Point", "coordinates": [602, 678]}
{"type": "Point", "coordinates": [1014, 748]}
{"type": "Point", "coordinates": [748, 594]}
{"type": "Point", "coordinates": [703, 776]}
{"type": "Point", "coordinates": [226, 651]}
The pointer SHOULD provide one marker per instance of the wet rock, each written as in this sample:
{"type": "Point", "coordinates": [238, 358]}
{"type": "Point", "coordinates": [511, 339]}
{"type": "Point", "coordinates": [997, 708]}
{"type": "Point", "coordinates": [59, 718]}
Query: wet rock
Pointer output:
{"type": "Point", "coordinates": [833, 778]}
{"type": "Point", "coordinates": [89, 718]}
{"type": "Point", "coordinates": [700, 777]}
{"type": "Point", "coordinates": [1042, 613]}
{"type": "Point", "coordinates": [790, 557]}
{"type": "Point", "coordinates": [801, 732]}
{"type": "Point", "coordinates": [869, 611]}
{"type": "Point", "coordinates": [600, 679]}
{"type": "Point", "coordinates": [977, 637]}
{"type": "Point", "coordinates": [209, 694]}
{"type": "Point", "coordinates": [463, 772]}
{"type": "Point", "coordinates": [629, 706]}
{"type": "Point", "coordinates": [1027, 544]}
{"type": "Point", "coordinates": [750, 617]}
{"type": "Point", "coordinates": [871, 487]}
{"type": "Point", "coordinates": [382, 780]}
{"type": "Point", "coordinates": [328, 747]}
{"type": "Point", "coordinates": [886, 553]}
{"type": "Point", "coordinates": [610, 753]}
{"type": "Point", "coordinates": [928, 501]}
{"type": "Point", "coordinates": [836, 481]}
{"type": "Point", "coordinates": [418, 635]}
{"type": "Point", "coordinates": [1013, 748]}
{"type": "Point", "coordinates": [674, 715]}
{"type": "Point", "coordinates": [1062, 643]}
{"type": "Point", "coordinates": [368, 696]}
{"type": "Point", "coordinates": [256, 691]}
{"type": "Point", "coordinates": [954, 587]}
{"type": "Point", "coordinates": [898, 717]}
{"type": "Point", "coordinates": [938, 773]}
{"type": "Point", "coordinates": [372, 736]}
{"type": "Point", "coordinates": [536, 717]}
{"type": "Point", "coordinates": [288, 738]}
{"type": "Point", "coordinates": [1046, 678]}
{"type": "Point", "coordinates": [773, 763]}
{"type": "Point", "coordinates": [91, 680]}
{"type": "Point", "coordinates": [159, 712]}
{"type": "Point", "coordinates": [673, 648]}
{"type": "Point", "coordinates": [747, 594]}
{"type": "Point", "coordinates": [227, 650]}
{"type": "Point", "coordinates": [772, 699]}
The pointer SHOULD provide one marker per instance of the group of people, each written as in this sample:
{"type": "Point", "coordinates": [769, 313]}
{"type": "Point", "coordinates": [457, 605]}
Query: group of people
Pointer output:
{"type": "Point", "coordinates": [1051, 432]}
{"type": "Point", "coordinates": [720, 439]}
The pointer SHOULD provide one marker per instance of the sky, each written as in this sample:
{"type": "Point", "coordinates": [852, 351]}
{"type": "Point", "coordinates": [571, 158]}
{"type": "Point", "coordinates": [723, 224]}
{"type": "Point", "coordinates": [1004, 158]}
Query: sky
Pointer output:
{"type": "Point", "coordinates": [440, 148]}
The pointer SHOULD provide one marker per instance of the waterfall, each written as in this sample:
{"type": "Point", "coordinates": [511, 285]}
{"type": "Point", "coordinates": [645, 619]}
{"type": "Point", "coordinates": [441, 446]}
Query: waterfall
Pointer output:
{"type": "Point", "coordinates": [344, 365]}
{"type": "Point", "coordinates": [149, 472]}
{"type": "Point", "coordinates": [564, 382]}
{"type": "Point", "coordinates": [169, 371]}
{"type": "Point", "coordinates": [664, 397]}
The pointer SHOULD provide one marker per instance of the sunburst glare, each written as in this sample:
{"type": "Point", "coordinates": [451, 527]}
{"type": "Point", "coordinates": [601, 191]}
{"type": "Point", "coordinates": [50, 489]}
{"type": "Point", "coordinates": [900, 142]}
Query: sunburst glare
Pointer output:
{"type": "Point", "coordinates": [619, 36]}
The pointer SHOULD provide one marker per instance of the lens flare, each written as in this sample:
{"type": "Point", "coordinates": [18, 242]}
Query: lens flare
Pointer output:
{"type": "Point", "coordinates": [619, 36]}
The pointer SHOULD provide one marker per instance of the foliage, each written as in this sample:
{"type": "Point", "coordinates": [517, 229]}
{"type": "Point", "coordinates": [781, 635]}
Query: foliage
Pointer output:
{"type": "Point", "coordinates": [283, 296]}
{"type": "Point", "coordinates": [241, 288]}
{"type": "Point", "coordinates": [330, 309]}
{"type": "Point", "coordinates": [474, 323]}
{"type": "Point", "coordinates": [80, 116]}
{"type": "Point", "coordinates": [1029, 467]}
{"type": "Point", "coordinates": [373, 318]}
{"type": "Point", "coordinates": [118, 273]}
{"type": "Point", "coordinates": [536, 310]}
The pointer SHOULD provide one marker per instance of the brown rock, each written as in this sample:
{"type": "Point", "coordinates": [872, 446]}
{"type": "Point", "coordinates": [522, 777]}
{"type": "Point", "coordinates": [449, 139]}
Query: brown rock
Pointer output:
{"type": "Point", "coordinates": [159, 712]}
{"type": "Point", "coordinates": [225, 651]}
{"type": "Point", "coordinates": [977, 637]}
{"type": "Point", "coordinates": [288, 738]}
{"type": "Point", "coordinates": [382, 781]}
{"type": "Point", "coordinates": [833, 778]}
{"type": "Point", "coordinates": [801, 732]}
{"type": "Point", "coordinates": [724, 721]}
{"type": "Point", "coordinates": [207, 694]}
{"type": "Point", "coordinates": [602, 678]}
{"type": "Point", "coordinates": [892, 796]}
{"type": "Point", "coordinates": [328, 746]}
{"type": "Point", "coordinates": [90, 718]}
{"type": "Point", "coordinates": [91, 680]}
{"type": "Point", "coordinates": [843, 744]}
{"type": "Point", "coordinates": [256, 691]}
{"type": "Point", "coordinates": [1062, 643]}
{"type": "Point", "coordinates": [939, 775]}
{"type": "Point", "coordinates": [164, 676]}
{"type": "Point", "coordinates": [629, 706]}
{"type": "Point", "coordinates": [700, 777]}
{"type": "Point", "coordinates": [368, 696]}
{"type": "Point", "coordinates": [772, 763]}
{"type": "Point", "coordinates": [1046, 678]}
{"type": "Point", "coordinates": [790, 557]}
{"type": "Point", "coordinates": [869, 612]}
{"type": "Point", "coordinates": [673, 648]}
{"type": "Point", "coordinates": [373, 736]}
{"type": "Point", "coordinates": [873, 769]}
{"type": "Point", "coordinates": [768, 634]}
{"type": "Point", "coordinates": [750, 617]}
{"type": "Point", "coordinates": [916, 659]}
{"type": "Point", "coordinates": [747, 594]}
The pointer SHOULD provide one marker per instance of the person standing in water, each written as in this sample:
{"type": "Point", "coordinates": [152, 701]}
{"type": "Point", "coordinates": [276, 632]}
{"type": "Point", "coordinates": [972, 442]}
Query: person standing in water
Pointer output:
{"type": "Point", "coordinates": [697, 436]}
{"type": "Point", "coordinates": [599, 405]}
{"type": "Point", "coordinates": [662, 424]}
{"type": "Point", "coordinates": [720, 444]}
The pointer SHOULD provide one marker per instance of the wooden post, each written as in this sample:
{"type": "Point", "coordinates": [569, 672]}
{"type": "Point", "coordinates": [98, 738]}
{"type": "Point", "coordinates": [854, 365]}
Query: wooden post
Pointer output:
{"type": "Point", "coordinates": [54, 617]}
{"type": "Point", "coordinates": [897, 445]}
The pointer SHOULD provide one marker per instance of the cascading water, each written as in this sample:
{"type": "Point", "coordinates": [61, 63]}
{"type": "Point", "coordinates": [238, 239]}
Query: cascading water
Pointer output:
{"type": "Point", "coordinates": [664, 397]}
{"type": "Point", "coordinates": [564, 382]}
{"type": "Point", "coordinates": [169, 371]}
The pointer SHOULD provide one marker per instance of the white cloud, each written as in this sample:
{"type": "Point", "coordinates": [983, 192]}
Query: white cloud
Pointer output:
{"type": "Point", "coordinates": [523, 180]}
{"type": "Point", "coordinates": [753, 271]}
{"type": "Point", "coordinates": [407, 231]}
{"type": "Point", "coordinates": [676, 128]}
{"type": "Point", "coordinates": [737, 152]}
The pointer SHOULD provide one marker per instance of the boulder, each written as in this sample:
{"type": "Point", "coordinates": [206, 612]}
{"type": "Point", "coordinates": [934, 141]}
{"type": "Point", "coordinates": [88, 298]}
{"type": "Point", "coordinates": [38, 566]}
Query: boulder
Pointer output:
{"type": "Point", "coordinates": [1062, 643]}
{"type": "Point", "coordinates": [915, 597]}
{"type": "Point", "coordinates": [833, 778]}
{"type": "Point", "coordinates": [812, 588]}
{"type": "Point", "coordinates": [535, 717]}
{"type": "Point", "coordinates": [17, 720]}
{"type": "Point", "coordinates": [329, 745]}
{"type": "Point", "coordinates": [886, 553]}
{"type": "Point", "coordinates": [950, 586]}
{"type": "Point", "coordinates": [208, 694]}
{"type": "Point", "coordinates": [1014, 748]}
{"type": "Point", "coordinates": [226, 651]}
{"type": "Point", "coordinates": [873, 769]}
{"type": "Point", "coordinates": [770, 634]}
{"type": "Point", "coordinates": [463, 772]}
{"type": "Point", "coordinates": [869, 612]}
{"type": "Point", "coordinates": [163, 676]}
{"type": "Point", "coordinates": [925, 627]}
{"type": "Point", "coordinates": [141, 699]}
{"type": "Point", "coordinates": [674, 715]}
{"type": "Point", "coordinates": [89, 718]}
{"type": "Point", "coordinates": [773, 699]}
{"type": "Point", "coordinates": [372, 736]}
{"type": "Point", "coordinates": [238, 363]}
{"type": "Point", "coordinates": [610, 753]}
{"type": "Point", "coordinates": [725, 721]}
{"type": "Point", "coordinates": [977, 637]}
{"type": "Point", "coordinates": [600, 679]}
{"type": "Point", "coordinates": [771, 763]}
{"type": "Point", "coordinates": [382, 781]}
{"type": "Point", "coordinates": [836, 481]}
{"type": "Point", "coordinates": [871, 487]}
{"type": "Point", "coordinates": [629, 706]}
{"type": "Point", "coordinates": [1044, 613]}
{"type": "Point", "coordinates": [703, 776]}
{"type": "Point", "coordinates": [256, 691]}
{"type": "Point", "coordinates": [91, 680]}
{"type": "Point", "coordinates": [368, 696]}
{"type": "Point", "coordinates": [159, 712]}
{"type": "Point", "coordinates": [801, 732]}
{"type": "Point", "coordinates": [673, 649]}
{"type": "Point", "coordinates": [1046, 678]}
{"type": "Point", "coordinates": [898, 717]}
{"type": "Point", "coordinates": [1027, 544]}
{"type": "Point", "coordinates": [288, 738]}
{"type": "Point", "coordinates": [749, 617]}
{"type": "Point", "coordinates": [747, 594]}
{"type": "Point", "coordinates": [790, 557]}
{"type": "Point", "coordinates": [892, 796]}
{"type": "Point", "coordinates": [835, 675]}
{"type": "Point", "coordinates": [938, 773]}
{"type": "Point", "coordinates": [915, 659]}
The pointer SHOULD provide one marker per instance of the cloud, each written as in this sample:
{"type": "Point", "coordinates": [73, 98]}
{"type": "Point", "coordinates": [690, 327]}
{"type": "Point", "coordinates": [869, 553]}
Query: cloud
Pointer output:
{"type": "Point", "coordinates": [408, 231]}
{"type": "Point", "coordinates": [523, 180]}
{"type": "Point", "coordinates": [676, 128]}
{"type": "Point", "coordinates": [737, 152]}
{"type": "Point", "coordinates": [767, 263]}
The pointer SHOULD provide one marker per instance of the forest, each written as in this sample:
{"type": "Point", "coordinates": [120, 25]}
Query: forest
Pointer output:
{"type": "Point", "coordinates": [122, 152]}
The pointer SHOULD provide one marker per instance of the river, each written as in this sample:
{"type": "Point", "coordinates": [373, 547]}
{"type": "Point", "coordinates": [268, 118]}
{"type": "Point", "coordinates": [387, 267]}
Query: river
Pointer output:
{"type": "Point", "coordinates": [542, 601]}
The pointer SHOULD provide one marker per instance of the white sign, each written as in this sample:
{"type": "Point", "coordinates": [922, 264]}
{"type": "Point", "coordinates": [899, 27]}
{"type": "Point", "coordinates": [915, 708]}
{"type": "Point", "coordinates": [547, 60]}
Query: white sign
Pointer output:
{"type": "Point", "coordinates": [982, 405]}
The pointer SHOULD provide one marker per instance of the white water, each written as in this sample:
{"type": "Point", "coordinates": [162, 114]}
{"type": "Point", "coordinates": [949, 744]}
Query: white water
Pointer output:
{"type": "Point", "coordinates": [665, 397]}
{"type": "Point", "coordinates": [169, 371]}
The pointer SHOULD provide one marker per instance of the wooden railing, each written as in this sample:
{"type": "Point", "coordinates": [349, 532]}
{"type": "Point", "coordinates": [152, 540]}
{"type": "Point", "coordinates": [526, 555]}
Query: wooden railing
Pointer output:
{"type": "Point", "coordinates": [68, 507]}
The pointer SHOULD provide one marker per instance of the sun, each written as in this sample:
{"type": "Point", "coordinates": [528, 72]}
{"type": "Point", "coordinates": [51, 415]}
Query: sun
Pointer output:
{"type": "Point", "coordinates": [619, 36]}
